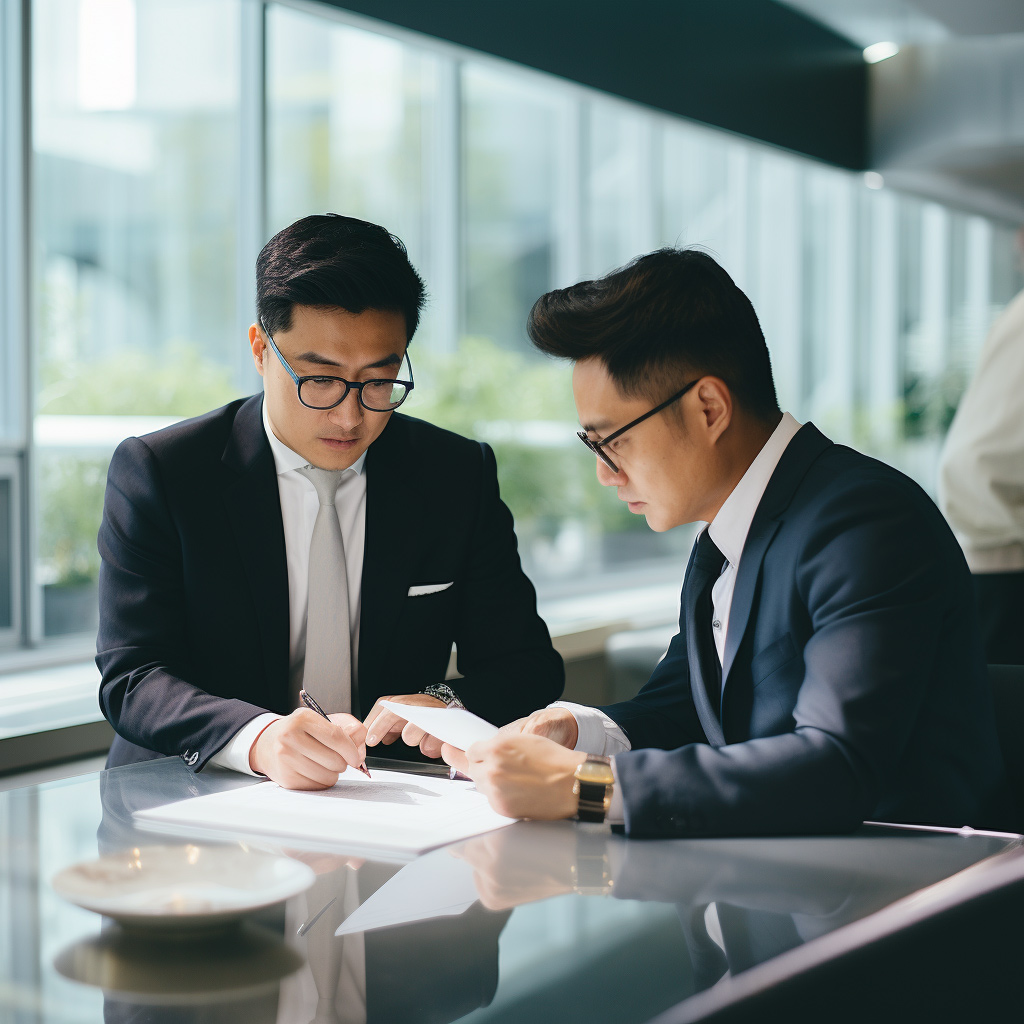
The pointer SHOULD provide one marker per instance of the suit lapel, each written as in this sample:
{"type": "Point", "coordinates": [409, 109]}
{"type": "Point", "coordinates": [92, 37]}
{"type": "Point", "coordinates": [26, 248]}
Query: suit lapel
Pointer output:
{"type": "Point", "coordinates": [253, 506]}
{"type": "Point", "coordinates": [806, 446]}
{"type": "Point", "coordinates": [393, 525]}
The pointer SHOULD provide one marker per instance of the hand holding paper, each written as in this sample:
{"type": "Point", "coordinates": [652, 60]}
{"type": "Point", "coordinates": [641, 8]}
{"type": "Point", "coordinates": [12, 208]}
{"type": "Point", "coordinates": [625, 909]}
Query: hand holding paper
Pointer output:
{"type": "Point", "coordinates": [455, 726]}
{"type": "Point", "coordinates": [385, 727]}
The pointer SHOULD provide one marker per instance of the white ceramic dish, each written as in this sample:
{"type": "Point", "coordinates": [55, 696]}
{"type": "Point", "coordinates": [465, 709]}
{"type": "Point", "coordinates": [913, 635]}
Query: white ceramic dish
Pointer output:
{"type": "Point", "coordinates": [182, 887]}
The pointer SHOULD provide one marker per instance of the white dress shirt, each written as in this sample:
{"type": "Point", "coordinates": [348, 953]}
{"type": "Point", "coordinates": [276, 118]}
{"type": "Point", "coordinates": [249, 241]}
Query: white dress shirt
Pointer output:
{"type": "Point", "coordinates": [981, 477]}
{"type": "Point", "coordinates": [599, 734]}
{"type": "Point", "coordinates": [333, 980]}
{"type": "Point", "coordinates": [299, 507]}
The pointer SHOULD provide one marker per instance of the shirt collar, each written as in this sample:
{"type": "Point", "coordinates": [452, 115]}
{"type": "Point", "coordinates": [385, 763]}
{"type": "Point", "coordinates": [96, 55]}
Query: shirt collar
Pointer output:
{"type": "Point", "coordinates": [730, 527]}
{"type": "Point", "coordinates": [286, 460]}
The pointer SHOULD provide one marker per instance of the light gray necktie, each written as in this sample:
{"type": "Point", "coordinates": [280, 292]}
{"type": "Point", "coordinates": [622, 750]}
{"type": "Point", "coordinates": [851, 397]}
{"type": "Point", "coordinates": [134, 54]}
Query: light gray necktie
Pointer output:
{"type": "Point", "coordinates": [327, 670]}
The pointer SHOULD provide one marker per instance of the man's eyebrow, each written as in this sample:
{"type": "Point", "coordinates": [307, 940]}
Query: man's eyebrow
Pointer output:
{"type": "Point", "coordinates": [316, 357]}
{"type": "Point", "coordinates": [391, 360]}
{"type": "Point", "coordinates": [595, 428]}
{"type": "Point", "coordinates": [321, 360]}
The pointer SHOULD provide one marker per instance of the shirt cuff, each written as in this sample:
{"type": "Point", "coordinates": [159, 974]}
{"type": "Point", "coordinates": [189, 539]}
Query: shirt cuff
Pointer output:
{"type": "Point", "coordinates": [598, 734]}
{"type": "Point", "coordinates": [235, 753]}
{"type": "Point", "coordinates": [616, 815]}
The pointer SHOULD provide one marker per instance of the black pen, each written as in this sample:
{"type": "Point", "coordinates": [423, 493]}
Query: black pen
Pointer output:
{"type": "Point", "coordinates": [313, 706]}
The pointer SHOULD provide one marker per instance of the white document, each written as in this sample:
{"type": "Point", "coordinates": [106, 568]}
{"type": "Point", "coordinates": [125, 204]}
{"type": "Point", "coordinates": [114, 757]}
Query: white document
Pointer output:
{"type": "Point", "coordinates": [436, 885]}
{"type": "Point", "coordinates": [456, 726]}
{"type": "Point", "coordinates": [393, 812]}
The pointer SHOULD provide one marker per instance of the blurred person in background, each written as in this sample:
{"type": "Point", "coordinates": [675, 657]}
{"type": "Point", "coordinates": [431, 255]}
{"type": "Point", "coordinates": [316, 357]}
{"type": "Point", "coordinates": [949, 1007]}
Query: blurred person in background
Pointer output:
{"type": "Point", "coordinates": [981, 482]}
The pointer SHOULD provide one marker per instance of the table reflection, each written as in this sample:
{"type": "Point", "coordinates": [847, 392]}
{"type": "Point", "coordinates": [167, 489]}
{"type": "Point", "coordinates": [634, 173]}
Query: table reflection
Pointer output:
{"type": "Point", "coordinates": [541, 922]}
{"type": "Point", "coordinates": [739, 902]}
{"type": "Point", "coordinates": [435, 970]}
{"type": "Point", "coordinates": [158, 978]}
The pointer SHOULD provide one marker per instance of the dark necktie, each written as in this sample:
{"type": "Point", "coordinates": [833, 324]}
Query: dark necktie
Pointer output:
{"type": "Point", "coordinates": [707, 959]}
{"type": "Point", "coordinates": [705, 667]}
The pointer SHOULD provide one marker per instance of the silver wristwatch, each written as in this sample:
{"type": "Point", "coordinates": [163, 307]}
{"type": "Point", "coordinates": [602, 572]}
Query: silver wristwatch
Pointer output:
{"type": "Point", "coordinates": [442, 691]}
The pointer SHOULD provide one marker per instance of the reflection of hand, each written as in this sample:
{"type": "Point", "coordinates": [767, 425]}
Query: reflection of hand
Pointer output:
{"type": "Point", "coordinates": [556, 724]}
{"type": "Point", "coordinates": [306, 751]}
{"type": "Point", "coordinates": [523, 776]}
{"type": "Point", "coordinates": [384, 726]}
{"type": "Point", "coordinates": [516, 865]}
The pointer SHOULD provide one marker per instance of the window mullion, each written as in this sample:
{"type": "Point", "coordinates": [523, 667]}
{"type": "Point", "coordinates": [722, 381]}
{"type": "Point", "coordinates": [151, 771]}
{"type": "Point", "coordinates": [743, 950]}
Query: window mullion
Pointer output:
{"type": "Point", "coordinates": [15, 345]}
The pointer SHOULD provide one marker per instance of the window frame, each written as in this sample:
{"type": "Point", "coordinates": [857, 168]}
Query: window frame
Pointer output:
{"type": "Point", "coordinates": [15, 334]}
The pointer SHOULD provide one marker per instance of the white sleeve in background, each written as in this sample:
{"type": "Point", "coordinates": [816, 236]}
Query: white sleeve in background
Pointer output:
{"type": "Point", "coordinates": [235, 753]}
{"type": "Point", "coordinates": [598, 734]}
{"type": "Point", "coordinates": [981, 476]}
{"type": "Point", "coordinates": [616, 816]}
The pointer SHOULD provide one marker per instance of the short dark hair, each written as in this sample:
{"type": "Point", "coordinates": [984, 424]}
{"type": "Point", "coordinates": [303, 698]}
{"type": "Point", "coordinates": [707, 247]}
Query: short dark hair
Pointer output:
{"type": "Point", "coordinates": [331, 261]}
{"type": "Point", "coordinates": [669, 315]}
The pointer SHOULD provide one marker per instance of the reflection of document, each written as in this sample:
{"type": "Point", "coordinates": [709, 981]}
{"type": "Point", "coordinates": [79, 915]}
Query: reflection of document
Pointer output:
{"type": "Point", "coordinates": [393, 811]}
{"type": "Point", "coordinates": [456, 726]}
{"type": "Point", "coordinates": [437, 885]}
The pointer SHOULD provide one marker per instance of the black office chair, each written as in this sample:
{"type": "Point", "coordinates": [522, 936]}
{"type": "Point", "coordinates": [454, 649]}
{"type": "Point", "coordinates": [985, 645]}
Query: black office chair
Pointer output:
{"type": "Point", "coordinates": [1008, 693]}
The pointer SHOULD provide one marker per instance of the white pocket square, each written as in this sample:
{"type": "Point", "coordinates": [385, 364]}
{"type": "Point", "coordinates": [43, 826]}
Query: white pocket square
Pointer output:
{"type": "Point", "coordinates": [428, 588]}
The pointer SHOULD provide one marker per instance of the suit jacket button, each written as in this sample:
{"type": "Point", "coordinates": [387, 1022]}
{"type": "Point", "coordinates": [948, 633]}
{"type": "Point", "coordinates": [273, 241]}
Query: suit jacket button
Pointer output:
{"type": "Point", "coordinates": [192, 760]}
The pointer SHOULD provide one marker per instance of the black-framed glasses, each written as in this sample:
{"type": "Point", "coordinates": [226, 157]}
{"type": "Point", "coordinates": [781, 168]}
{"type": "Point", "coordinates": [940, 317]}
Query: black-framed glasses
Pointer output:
{"type": "Point", "coordinates": [597, 447]}
{"type": "Point", "coordinates": [319, 391]}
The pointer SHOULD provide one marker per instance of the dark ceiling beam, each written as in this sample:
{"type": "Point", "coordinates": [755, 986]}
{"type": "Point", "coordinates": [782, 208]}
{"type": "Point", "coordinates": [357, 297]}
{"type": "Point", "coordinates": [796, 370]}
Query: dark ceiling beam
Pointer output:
{"type": "Point", "coordinates": [750, 66]}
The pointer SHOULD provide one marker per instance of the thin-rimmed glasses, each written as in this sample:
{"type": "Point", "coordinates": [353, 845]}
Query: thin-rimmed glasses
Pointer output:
{"type": "Point", "coordinates": [597, 447]}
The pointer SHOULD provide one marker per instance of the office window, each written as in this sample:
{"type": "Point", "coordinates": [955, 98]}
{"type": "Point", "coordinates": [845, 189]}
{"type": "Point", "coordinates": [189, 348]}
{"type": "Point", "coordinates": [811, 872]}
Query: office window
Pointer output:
{"type": "Point", "coordinates": [511, 129]}
{"type": "Point", "coordinates": [135, 135]}
{"type": "Point", "coordinates": [620, 172]}
{"type": "Point", "coordinates": [350, 128]}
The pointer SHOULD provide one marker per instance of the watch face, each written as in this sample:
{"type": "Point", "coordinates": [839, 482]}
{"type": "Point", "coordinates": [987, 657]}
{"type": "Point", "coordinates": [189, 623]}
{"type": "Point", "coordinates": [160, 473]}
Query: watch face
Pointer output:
{"type": "Point", "coordinates": [594, 771]}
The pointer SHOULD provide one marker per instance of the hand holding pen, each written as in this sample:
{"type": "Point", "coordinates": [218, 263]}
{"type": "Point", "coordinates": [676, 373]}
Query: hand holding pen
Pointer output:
{"type": "Point", "coordinates": [310, 703]}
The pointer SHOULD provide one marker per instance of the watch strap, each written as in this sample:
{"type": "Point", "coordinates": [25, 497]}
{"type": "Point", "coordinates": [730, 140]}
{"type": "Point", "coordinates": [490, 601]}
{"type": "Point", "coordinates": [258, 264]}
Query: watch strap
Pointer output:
{"type": "Point", "coordinates": [593, 798]}
{"type": "Point", "coordinates": [442, 691]}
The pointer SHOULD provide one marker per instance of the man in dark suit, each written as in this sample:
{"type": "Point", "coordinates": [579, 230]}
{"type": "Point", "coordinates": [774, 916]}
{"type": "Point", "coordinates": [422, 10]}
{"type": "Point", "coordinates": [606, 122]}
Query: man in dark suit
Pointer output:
{"type": "Point", "coordinates": [310, 538]}
{"type": "Point", "coordinates": [828, 666]}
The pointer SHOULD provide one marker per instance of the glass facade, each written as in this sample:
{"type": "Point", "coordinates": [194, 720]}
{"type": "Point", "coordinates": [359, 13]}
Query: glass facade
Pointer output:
{"type": "Point", "coordinates": [135, 156]}
{"type": "Point", "coordinates": [503, 183]}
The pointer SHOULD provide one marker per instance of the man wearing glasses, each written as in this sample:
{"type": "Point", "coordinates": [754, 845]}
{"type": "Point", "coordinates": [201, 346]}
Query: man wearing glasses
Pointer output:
{"type": "Point", "coordinates": [828, 665]}
{"type": "Point", "coordinates": [310, 549]}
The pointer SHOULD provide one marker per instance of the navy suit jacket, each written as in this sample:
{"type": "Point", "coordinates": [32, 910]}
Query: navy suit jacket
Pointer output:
{"type": "Point", "coordinates": [193, 639]}
{"type": "Point", "coordinates": [854, 682]}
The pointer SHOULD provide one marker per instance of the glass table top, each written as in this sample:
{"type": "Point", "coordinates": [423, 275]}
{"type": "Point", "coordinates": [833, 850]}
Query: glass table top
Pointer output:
{"type": "Point", "coordinates": [555, 921]}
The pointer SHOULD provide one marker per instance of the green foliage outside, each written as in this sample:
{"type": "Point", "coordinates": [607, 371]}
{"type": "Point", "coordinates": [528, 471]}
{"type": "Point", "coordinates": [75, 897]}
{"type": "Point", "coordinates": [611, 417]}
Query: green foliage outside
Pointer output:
{"type": "Point", "coordinates": [178, 382]}
{"type": "Point", "coordinates": [482, 386]}
{"type": "Point", "coordinates": [481, 391]}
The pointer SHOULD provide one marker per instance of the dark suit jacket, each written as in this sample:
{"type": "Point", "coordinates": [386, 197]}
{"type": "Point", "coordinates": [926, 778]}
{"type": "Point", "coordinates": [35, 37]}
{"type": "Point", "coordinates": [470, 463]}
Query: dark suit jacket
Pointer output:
{"type": "Point", "coordinates": [193, 638]}
{"type": "Point", "coordinates": [854, 684]}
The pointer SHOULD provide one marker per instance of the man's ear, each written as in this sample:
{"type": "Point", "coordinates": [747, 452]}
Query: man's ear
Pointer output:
{"type": "Point", "coordinates": [258, 346]}
{"type": "Point", "coordinates": [716, 406]}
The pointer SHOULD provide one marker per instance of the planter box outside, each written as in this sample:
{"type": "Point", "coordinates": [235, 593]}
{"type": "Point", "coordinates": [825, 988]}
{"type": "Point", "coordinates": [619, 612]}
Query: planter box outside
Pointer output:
{"type": "Point", "coordinates": [72, 609]}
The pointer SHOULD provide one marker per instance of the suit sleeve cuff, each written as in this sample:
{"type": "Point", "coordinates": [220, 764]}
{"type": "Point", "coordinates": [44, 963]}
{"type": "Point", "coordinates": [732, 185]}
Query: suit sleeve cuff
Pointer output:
{"type": "Point", "coordinates": [598, 734]}
{"type": "Point", "coordinates": [235, 753]}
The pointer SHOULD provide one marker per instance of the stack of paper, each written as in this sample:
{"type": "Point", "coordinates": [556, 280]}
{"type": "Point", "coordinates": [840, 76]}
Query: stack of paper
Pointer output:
{"type": "Point", "coordinates": [393, 811]}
